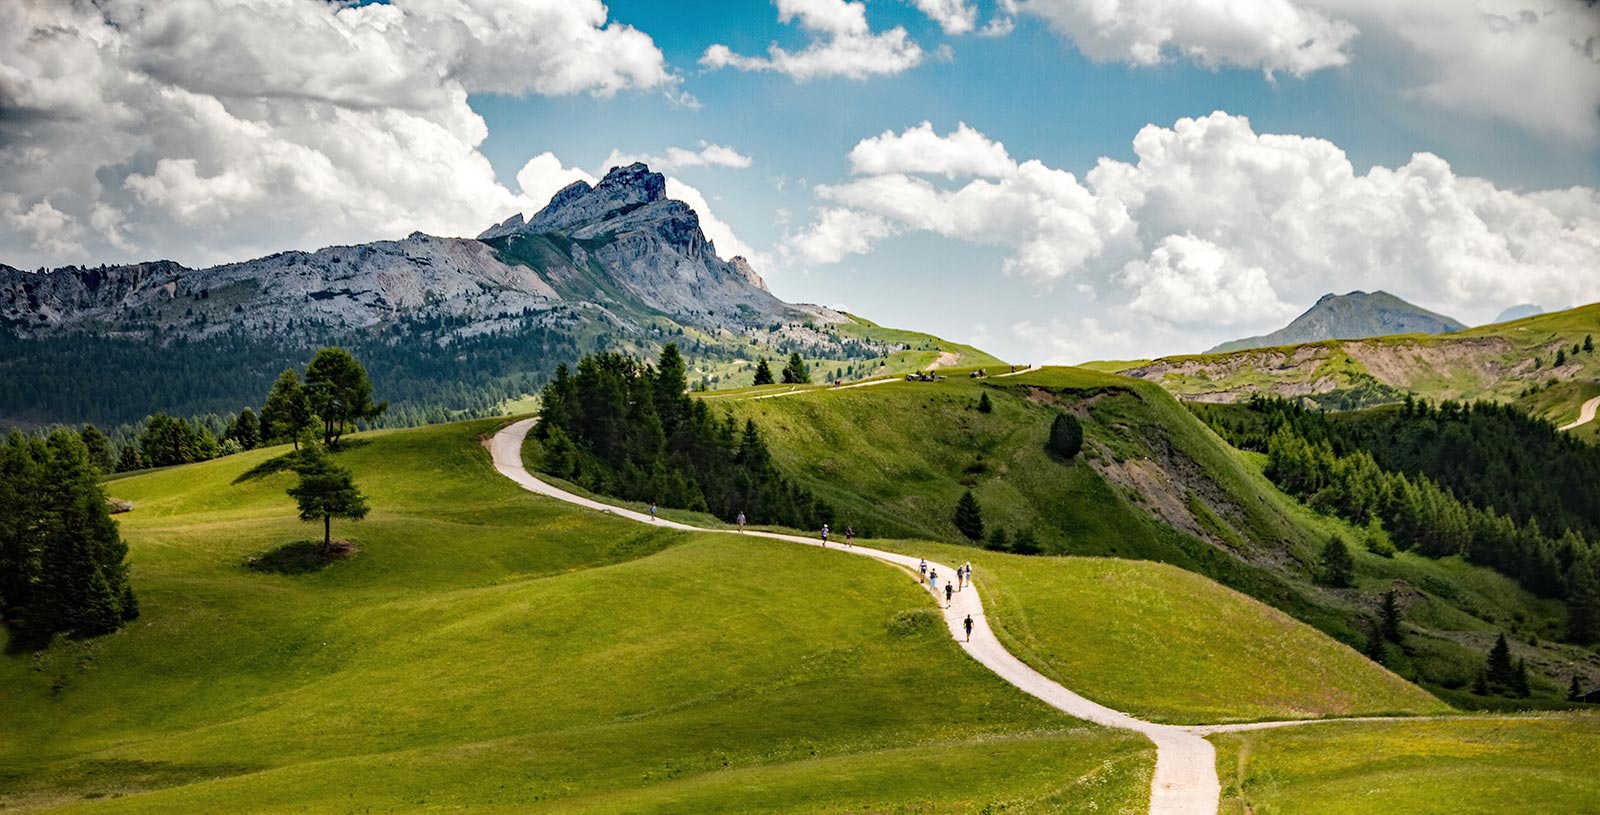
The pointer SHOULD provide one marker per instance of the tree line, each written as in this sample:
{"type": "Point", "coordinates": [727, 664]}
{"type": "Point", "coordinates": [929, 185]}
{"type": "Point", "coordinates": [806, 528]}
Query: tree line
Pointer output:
{"type": "Point", "coordinates": [1323, 461]}
{"type": "Point", "coordinates": [629, 429]}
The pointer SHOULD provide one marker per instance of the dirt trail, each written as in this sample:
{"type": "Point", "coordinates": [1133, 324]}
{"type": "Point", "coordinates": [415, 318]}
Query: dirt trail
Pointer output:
{"type": "Point", "coordinates": [1585, 415]}
{"type": "Point", "coordinates": [1185, 781]}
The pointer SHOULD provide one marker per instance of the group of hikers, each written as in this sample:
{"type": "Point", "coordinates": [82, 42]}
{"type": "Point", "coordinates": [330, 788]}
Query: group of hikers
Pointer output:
{"type": "Point", "coordinates": [924, 573]}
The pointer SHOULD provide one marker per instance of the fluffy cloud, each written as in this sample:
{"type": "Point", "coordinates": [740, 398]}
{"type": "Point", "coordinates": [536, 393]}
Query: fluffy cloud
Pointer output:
{"type": "Point", "coordinates": [953, 16]}
{"type": "Point", "coordinates": [207, 130]}
{"type": "Point", "coordinates": [1532, 63]}
{"type": "Point", "coordinates": [1215, 224]}
{"type": "Point", "coordinates": [677, 158]}
{"type": "Point", "coordinates": [544, 176]}
{"type": "Point", "coordinates": [1272, 35]}
{"type": "Point", "coordinates": [842, 45]}
{"type": "Point", "coordinates": [965, 152]}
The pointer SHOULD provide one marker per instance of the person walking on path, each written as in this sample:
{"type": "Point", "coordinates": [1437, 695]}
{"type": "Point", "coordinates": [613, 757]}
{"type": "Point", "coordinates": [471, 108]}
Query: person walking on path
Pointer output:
{"type": "Point", "coordinates": [741, 523]}
{"type": "Point", "coordinates": [849, 535]}
{"type": "Point", "coordinates": [922, 571]}
{"type": "Point", "coordinates": [933, 581]}
{"type": "Point", "coordinates": [967, 624]}
{"type": "Point", "coordinates": [652, 512]}
{"type": "Point", "coordinates": [948, 591]}
{"type": "Point", "coordinates": [824, 536]}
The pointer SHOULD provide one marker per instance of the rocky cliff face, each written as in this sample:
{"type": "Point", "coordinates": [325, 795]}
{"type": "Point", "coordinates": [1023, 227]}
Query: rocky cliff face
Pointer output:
{"type": "Point", "coordinates": [614, 251]}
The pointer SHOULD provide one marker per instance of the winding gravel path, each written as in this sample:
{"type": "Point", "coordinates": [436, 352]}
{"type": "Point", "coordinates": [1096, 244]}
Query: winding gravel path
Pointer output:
{"type": "Point", "coordinates": [1585, 415]}
{"type": "Point", "coordinates": [1185, 781]}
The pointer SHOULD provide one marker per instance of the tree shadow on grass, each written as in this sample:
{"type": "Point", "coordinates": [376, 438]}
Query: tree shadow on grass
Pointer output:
{"type": "Point", "coordinates": [301, 557]}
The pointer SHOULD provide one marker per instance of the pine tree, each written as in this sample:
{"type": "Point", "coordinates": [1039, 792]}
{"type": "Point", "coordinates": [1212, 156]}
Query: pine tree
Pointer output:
{"type": "Point", "coordinates": [1583, 604]}
{"type": "Point", "coordinates": [671, 381]}
{"type": "Point", "coordinates": [287, 413]}
{"type": "Point", "coordinates": [99, 447]}
{"type": "Point", "coordinates": [129, 460]}
{"type": "Point", "coordinates": [1390, 614]}
{"type": "Point", "coordinates": [998, 541]}
{"type": "Point", "coordinates": [1066, 436]}
{"type": "Point", "coordinates": [326, 491]}
{"type": "Point", "coordinates": [1499, 670]}
{"type": "Point", "coordinates": [340, 393]}
{"type": "Point", "coordinates": [1561, 357]}
{"type": "Point", "coordinates": [246, 429]}
{"type": "Point", "coordinates": [984, 405]}
{"type": "Point", "coordinates": [1519, 680]}
{"type": "Point", "coordinates": [1338, 566]}
{"type": "Point", "coordinates": [1024, 543]}
{"type": "Point", "coordinates": [763, 373]}
{"type": "Point", "coordinates": [1377, 649]}
{"type": "Point", "coordinates": [796, 372]}
{"type": "Point", "coordinates": [1575, 689]}
{"type": "Point", "coordinates": [1588, 343]}
{"type": "Point", "coordinates": [969, 517]}
{"type": "Point", "coordinates": [83, 579]}
{"type": "Point", "coordinates": [1480, 683]}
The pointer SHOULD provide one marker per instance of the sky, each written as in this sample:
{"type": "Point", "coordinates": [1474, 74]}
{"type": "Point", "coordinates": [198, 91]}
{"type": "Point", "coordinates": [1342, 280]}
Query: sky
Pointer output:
{"type": "Point", "coordinates": [1051, 180]}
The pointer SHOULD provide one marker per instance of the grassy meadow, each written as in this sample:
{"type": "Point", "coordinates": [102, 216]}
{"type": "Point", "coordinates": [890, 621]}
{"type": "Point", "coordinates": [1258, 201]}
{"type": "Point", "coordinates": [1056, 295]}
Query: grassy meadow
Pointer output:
{"type": "Point", "coordinates": [1454, 767]}
{"type": "Point", "coordinates": [492, 650]}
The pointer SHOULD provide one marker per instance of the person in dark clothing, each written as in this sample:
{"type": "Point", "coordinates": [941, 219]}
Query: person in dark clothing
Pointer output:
{"type": "Point", "coordinates": [949, 590]}
{"type": "Point", "coordinates": [967, 624]}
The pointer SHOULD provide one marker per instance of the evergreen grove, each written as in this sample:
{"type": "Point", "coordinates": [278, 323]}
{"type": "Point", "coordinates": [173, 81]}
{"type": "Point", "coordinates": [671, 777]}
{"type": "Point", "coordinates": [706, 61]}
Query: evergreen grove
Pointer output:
{"type": "Point", "coordinates": [62, 560]}
{"type": "Point", "coordinates": [628, 429]}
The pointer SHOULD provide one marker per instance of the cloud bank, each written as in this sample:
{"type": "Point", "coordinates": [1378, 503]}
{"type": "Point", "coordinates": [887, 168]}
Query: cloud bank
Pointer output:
{"type": "Point", "coordinates": [842, 44]}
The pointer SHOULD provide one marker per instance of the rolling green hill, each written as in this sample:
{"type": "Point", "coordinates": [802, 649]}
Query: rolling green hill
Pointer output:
{"type": "Point", "coordinates": [1152, 483]}
{"type": "Point", "coordinates": [494, 651]}
{"type": "Point", "coordinates": [1499, 362]}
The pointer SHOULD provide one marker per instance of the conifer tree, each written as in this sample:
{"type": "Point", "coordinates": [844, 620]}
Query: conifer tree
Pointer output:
{"type": "Point", "coordinates": [1066, 436]}
{"type": "Point", "coordinates": [1561, 357]}
{"type": "Point", "coordinates": [796, 372]}
{"type": "Point", "coordinates": [1390, 614]}
{"type": "Point", "coordinates": [763, 373]}
{"type": "Point", "coordinates": [286, 413]}
{"type": "Point", "coordinates": [129, 460]}
{"type": "Point", "coordinates": [1519, 680]}
{"type": "Point", "coordinates": [1575, 689]}
{"type": "Point", "coordinates": [1588, 343]}
{"type": "Point", "coordinates": [1377, 650]}
{"type": "Point", "coordinates": [998, 541]}
{"type": "Point", "coordinates": [984, 405]}
{"type": "Point", "coordinates": [326, 491]}
{"type": "Point", "coordinates": [1499, 670]}
{"type": "Point", "coordinates": [246, 429]}
{"type": "Point", "coordinates": [340, 393]}
{"type": "Point", "coordinates": [1024, 543]}
{"type": "Point", "coordinates": [83, 579]}
{"type": "Point", "coordinates": [99, 447]}
{"type": "Point", "coordinates": [1338, 566]}
{"type": "Point", "coordinates": [1583, 604]}
{"type": "Point", "coordinates": [969, 517]}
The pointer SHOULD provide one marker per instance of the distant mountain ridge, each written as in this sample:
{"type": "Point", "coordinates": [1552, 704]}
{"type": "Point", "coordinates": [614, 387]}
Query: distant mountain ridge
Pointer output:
{"type": "Point", "coordinates": [446, 324]}
{"type": "Point", "coordinates": [1518, 312]}
{"type": "Point", "coordinates": [1352, 316]}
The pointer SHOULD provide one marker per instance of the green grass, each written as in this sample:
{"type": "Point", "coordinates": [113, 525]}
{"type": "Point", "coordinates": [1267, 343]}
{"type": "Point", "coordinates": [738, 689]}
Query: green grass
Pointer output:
{"type": "Point", "coordinates": [492, 650]}
{"type": "Point", "coordinates": [1461, 767]}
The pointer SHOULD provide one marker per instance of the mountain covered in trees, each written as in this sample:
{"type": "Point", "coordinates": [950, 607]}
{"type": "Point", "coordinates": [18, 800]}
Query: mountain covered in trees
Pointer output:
{"type": "Point", "coordinates": [449, 326]}
{"type": "Point", "coordinates": [1351, 316]}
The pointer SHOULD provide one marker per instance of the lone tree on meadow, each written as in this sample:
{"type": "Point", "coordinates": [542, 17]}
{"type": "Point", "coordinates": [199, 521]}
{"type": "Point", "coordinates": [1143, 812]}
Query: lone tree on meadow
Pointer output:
{"type": "Point", "coordinates": [969, 517]}
{"type": "Point", "coordinates": [796, 372]}
{"type": "Point", "coordinates": [340, 393]}
{"type": "Point", "coordinates": [763, 373]}
{"type": "Point", "coordinates": [1338, 566]}
{"type": "Point", "coordinates": [984, 405]}
{"type": "Point", "coordinates": [326, 491]}
{"type": "Point", "coordinates": [287, 413]}
{"type": "Point", "coordinates": [1066, 436]}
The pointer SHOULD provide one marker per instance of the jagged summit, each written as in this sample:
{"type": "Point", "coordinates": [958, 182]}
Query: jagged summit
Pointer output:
{"type": "Point", "coordinates": [623, 190]}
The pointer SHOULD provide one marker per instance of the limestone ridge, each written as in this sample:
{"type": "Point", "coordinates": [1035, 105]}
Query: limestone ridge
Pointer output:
{"type": "Point", "coordinates": [619, 253]}
{"type": "Point", "coordinates": [649, 245]}
{"type": "Point", "coordinates": [1352, 316]}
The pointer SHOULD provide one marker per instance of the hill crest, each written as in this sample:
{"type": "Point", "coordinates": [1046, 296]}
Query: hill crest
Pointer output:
{"type": "Point", "coordinates": [1356, 315]}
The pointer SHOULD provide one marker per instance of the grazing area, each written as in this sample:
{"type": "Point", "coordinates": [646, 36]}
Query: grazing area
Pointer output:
{"type": "Point", "coordinates": [495, 651]}
{"type": "Point", "coordinates": [1465, 767]}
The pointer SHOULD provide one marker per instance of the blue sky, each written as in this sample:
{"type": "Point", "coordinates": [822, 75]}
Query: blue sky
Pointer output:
{"type": "Point", "coordinates": [1276, 160]}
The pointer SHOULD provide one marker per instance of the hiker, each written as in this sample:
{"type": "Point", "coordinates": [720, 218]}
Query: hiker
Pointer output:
{"type": "Point", "coordinates": [933, 581]}
{"type": "Point", "coordinates": [967, 624]}
{"type": "Point", "coordinates": [652, 512]}
{"type": "Point", "coordinates": [849, 535]}
{"type": "Point", "coordinates": [948, 590]}
{"type": "Point", "coordinates": [824, 536]}
{"type": "Point", "coordinates": [922, 572]}
{"type": "Point", "coordinates": [741, 523]}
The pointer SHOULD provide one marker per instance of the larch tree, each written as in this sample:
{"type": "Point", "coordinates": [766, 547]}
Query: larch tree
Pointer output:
{"type": "Point", "coordinates": [326, 491]}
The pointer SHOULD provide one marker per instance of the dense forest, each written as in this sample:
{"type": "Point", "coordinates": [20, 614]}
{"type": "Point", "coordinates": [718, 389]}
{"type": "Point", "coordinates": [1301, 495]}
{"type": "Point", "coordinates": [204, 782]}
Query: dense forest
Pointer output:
{"type": "Point", "coordinates": [62, 560]}
{"type": "Point", "coordinates": [629, 429]}
{"type": "Point", "coordinates": [1484, 481]}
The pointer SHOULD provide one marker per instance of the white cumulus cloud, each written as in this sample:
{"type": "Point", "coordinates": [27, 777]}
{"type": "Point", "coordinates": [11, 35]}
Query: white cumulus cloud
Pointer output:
{"type": "Point", "coordinates": [1217, 225]}
{"type": "Point", "coordinates": [211, 130]}
{"type": "Point", "coordinates": [677, 158]}
{"type": "Point", "coordinates": [965, 152]}
{"type": "Point", "coordinates": [842, 45]}
{"type": "Point", "coordinates": [953, 16]}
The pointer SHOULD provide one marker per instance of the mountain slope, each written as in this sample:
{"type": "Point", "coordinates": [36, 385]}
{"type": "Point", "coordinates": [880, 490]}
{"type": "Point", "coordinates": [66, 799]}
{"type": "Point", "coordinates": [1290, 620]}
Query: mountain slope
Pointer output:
{"type": "Point", "coordinates": [1501, 362]}
{"type": "Point", "coordinates": [446, 325]}
{"type": "Point", "coordinates": [1350, 316]}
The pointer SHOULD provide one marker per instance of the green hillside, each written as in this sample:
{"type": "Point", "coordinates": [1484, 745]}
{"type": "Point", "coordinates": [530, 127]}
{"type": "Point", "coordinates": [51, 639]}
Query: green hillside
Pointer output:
{"type": "Point", "coordinates": [1474, 767]}
{"type": "Point", "coordinates": [1152, 483]}
{"type": "Point", "coordinates": [491, 650]}
{"type": "Point", "coordinates": [1499, 362]}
